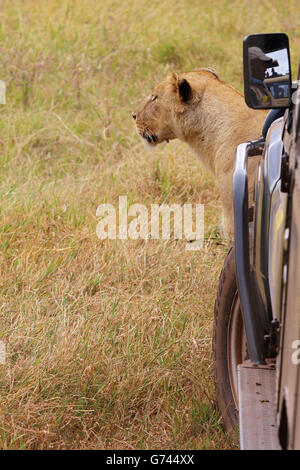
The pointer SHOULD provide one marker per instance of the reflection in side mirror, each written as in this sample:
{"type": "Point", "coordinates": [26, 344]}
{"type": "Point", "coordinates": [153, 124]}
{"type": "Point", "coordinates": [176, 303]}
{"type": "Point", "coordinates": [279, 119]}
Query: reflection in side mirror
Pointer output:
{"type": "Point", "coordinates": [267, 72]}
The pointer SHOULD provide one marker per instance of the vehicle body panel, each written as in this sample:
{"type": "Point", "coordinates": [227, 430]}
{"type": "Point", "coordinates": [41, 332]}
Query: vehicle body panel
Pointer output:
{"type": "Point", "coordinates": [289, 354]}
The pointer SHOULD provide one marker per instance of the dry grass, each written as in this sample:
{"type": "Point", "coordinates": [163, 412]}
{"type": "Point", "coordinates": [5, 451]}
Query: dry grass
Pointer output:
{"type": "Point", "coordinates": [108, 342]}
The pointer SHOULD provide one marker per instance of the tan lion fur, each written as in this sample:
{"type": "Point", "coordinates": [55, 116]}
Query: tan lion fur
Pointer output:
{"type": "Point", "coordinates": [211, 117]}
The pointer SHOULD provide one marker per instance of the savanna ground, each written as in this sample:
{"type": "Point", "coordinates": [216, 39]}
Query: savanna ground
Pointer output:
{"type": "Point", "coordinates": [108, 342]}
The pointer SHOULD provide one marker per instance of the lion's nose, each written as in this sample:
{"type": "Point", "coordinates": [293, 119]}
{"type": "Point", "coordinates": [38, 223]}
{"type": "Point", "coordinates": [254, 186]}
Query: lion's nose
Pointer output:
{"type": "Point", "coordinates": [134, 116]}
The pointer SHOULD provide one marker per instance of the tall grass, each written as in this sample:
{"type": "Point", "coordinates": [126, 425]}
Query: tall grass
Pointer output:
{"type": "Point", "coordinates": [108, 342]}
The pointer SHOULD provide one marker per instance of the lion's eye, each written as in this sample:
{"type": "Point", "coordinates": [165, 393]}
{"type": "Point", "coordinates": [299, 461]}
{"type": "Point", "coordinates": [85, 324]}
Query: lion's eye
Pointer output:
{"type": "Point", "coordinates": [153, 98]}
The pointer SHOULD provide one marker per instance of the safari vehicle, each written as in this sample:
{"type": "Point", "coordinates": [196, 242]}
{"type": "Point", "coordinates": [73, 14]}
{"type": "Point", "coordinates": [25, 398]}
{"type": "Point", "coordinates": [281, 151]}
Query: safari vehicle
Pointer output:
{"type": "Point", "coordinates": [256, 343]}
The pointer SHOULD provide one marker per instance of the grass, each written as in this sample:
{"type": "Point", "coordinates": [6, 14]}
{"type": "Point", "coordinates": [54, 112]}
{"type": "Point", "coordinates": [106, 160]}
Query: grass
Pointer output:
{"type": "Point", "coordinates": [108, 342]}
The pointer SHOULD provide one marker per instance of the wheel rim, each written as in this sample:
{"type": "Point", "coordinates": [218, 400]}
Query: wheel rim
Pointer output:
{"type": "Point", "coordinates": [237, 345]}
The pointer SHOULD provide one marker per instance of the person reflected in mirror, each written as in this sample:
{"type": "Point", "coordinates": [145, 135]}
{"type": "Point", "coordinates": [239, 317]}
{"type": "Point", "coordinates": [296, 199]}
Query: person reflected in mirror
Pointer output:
{"type": "Point", "coordinates": [259, 63]}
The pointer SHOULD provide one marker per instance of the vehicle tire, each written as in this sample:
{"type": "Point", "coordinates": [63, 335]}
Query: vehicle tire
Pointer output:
{"type": "Point", "coordinates": [229, 343]}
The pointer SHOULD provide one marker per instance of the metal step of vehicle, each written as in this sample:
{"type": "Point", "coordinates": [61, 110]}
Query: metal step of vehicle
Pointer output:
{"type": "Point", "coordinates": [257, 407]}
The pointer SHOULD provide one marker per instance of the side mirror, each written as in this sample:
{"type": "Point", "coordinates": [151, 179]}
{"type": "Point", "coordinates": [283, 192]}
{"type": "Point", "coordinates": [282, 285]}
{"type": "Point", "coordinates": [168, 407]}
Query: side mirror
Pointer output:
{"type": "Point", "coordinates": [267, 71]}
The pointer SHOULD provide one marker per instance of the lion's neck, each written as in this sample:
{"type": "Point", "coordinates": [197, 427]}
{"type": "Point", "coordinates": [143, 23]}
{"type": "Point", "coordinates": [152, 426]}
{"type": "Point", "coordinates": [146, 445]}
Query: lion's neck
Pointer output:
{"type": "Point", "coordinates": [204, 134]}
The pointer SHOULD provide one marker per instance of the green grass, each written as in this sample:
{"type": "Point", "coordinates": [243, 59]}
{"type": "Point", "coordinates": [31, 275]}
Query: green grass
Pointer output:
{"type": "Point", "coordinates": [108, 342]}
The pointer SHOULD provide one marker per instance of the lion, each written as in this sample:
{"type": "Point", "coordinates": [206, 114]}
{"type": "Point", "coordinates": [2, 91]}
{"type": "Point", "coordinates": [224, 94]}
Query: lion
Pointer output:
{"type": "Point", "coordinates": [211, 117]}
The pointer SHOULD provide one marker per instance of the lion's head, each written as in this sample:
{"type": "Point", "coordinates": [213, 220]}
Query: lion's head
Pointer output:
{"type": "Point", "coordinates": [155, 115]}
{"type": "Point", "coordinates": [158, 115]}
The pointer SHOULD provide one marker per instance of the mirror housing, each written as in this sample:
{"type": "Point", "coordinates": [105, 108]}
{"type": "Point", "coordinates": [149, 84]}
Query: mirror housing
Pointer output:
{"type": "Point", "coordinates": [267, 71]}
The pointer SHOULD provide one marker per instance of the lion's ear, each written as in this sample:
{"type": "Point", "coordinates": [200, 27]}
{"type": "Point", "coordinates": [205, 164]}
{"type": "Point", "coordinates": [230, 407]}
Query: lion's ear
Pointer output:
{"type": "Point", "coordinates": [173, 82]}
{"type": "Point", "coordinates": [180, 86]}
{"type": "Point", "coordinates": [184, 89]}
